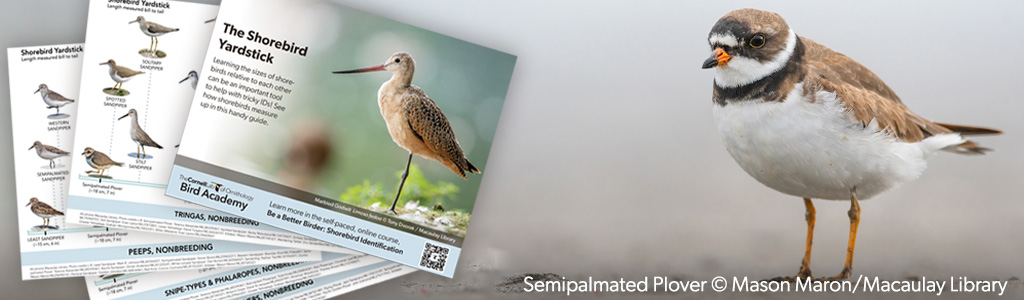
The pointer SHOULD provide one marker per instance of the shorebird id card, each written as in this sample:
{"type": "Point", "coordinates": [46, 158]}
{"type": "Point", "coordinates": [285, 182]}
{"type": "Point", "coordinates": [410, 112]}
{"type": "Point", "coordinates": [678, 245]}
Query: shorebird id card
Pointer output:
{"type": "Point", "coordinates": [138, 79]}
{"type": "Point", "coordinates": [337, 274]}
{"type": "Point", "coordinates": [44, 105]}
{"type": "Point", "coordinates": [318, 121]}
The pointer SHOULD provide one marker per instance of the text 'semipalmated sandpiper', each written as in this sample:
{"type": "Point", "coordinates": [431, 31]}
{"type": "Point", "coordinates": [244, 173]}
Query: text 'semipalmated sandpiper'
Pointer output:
{"type": "Point", "coordinates": [153, 30]}
{"type": "Point", "coordinates": [120, 74]}
{"type": "Point", "coordinates": [53, 99]}
{"type": "Point", "coordinates": [813, 123]}
{"type": "Point", "coordinates": [43, 210]}
{"type": "Point", "coordinates": [99, 161]}
{"type": "Point", "coordinates": [414, 121]}
{"type": "Point", "coordinates": [141, 139]}
{"type": "Point", "coordinates": [192, 77]}
{"type": "Point", "coordinates": [48, 152]}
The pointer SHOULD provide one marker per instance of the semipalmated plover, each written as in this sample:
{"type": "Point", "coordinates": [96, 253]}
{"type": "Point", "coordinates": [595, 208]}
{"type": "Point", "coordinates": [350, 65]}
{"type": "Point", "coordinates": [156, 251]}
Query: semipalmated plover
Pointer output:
{"type": "Point", "coordinates": [99, 161]}
{"type": "Point", "coordinates": [414, 121]}
{"type": "Point", "coordinates": [140, 137]}
{"type": "Point", "coordinates": [43, 210]}
{"type": "Point", "coordinates": [192, 77]}
{"type": "Point", "coordinates": [120, 74]}
{"type": "Point", "coordinates": [153, 30]}
{"type": "Point", "coordinates": [48, 152]}
{"type": "Point", "coordinates": [813, 123]}
{"type": "Point", "coordinates": [53, 99]}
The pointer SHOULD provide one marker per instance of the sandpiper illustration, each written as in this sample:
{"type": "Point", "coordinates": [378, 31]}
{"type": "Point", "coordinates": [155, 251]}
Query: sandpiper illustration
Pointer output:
{"type": "Point", "coordinates": [141, 139]}
{"type": "Point", "coordinates": [193, 78]}
{"type": "Point", "coordinates": [813, 123]}
{"type": "Point", "coordinates": [48, 152]}
{"type": "Point", "coordinates": [153, 30]}
{"type": "Point", "coordinates": [119, 74]}
{"type": "Point", "coordinates": [99, 161]}
{"type": "Point", "coordinates": [44, 211]}
{"type": "Point", "coordinates": [53, 99]}
{"type": "Point", "coordinates": [414, 121]}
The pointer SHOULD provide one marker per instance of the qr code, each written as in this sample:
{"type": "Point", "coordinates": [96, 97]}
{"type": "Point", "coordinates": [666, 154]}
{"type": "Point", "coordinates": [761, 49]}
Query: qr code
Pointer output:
{"type": "Point", "coordinates": [434, 257]}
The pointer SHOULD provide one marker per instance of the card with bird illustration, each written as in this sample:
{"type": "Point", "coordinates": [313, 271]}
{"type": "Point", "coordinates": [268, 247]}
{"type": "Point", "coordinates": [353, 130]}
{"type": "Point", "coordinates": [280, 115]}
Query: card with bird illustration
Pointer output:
{"type": "Point", "coordinates": [125, 145]}
{"type": "Point", "coordinates": [51, 245]}
{"type": "Point", "coordinates": [344, 126]}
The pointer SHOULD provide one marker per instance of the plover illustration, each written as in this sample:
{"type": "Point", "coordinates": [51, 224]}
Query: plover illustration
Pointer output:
{"type": "Point", "coordinates": [141, 139]}
{"type": "Point", "coordinates": [153, 30]}
{"type": "Point", "coordinates": [414, 121]}
{"type": "Point", "coordinates": [99, 161]}
{"type": "Point", "coordinates": [813, 123]}
{"type": "Point", "coordinates": [43, 210]}
{"type": "Point", "coordinates": [53, 99]}
{"type": "Point", "coordinates": [48, 152]}
{"type": "Point", "coordinates": [193, 78]}
{"type": "Point", "coordinates": [120, 74]}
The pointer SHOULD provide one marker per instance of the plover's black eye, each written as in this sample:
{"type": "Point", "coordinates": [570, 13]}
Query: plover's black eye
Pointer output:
{"type": "Point", "coordinates": [757, 41]}
{"type": "Point", "coordinates": [398, 60]}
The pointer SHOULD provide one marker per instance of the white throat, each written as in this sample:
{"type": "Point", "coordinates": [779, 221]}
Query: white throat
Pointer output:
{"type": "Point", "coordinates": [742, 71]}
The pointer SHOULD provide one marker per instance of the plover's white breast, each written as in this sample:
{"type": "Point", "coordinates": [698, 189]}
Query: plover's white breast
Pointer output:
{"type": "Point", "coordinates": [817, 149]}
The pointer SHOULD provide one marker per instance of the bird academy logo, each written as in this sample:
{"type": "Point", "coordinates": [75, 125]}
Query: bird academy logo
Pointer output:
{"type": "Point", "coordinates": [216, 192]}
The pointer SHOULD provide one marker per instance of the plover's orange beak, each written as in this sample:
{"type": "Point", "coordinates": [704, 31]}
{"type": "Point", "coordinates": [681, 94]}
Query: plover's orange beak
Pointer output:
{"type": "Point", "coordinates": [376, 68]}
{"type": "Point", "coordinates": [717, 59]}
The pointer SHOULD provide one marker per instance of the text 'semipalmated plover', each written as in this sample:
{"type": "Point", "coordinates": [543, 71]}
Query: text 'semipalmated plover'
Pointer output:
{"type": "Point", "coordinates": [43, 210]}
{"type": "Point", "coordinates": [153, 30]}
{"type": "Point", "coordinates": [53, 99]}
{"type": "Point", "coordinates": [414, 121]}
{"type": "Point", "coordinates": [99, 161]}
{"type": "Point", "coordinates": [139, 136]}
{"type": "Point", "coordinates": [192, 77]}
{"type": "Point", "coordinates": [48, 152]}
{"type": "Point", "coordinates": [813, 123]}
{"type": "Point", "coordinates": [120, 74]}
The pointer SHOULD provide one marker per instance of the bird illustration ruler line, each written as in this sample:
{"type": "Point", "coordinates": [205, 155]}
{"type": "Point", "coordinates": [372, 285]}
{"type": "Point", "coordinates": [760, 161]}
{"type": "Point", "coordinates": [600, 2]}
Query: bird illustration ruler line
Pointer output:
{"type": "Point", "coordinates": [375, 137]}
{"type": "Point", "coordinates": [336, 274]}
{"type": "Point", "coordinates": [53, 247]}
{"type": "Point", "coordinates": [132, 111]}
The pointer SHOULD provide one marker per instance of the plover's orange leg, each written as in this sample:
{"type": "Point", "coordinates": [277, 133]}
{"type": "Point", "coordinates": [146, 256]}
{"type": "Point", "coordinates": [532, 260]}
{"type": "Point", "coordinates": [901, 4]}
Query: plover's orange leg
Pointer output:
{"type": "Point", "coordinates": [854, 214]}
{"type": "Point", "coordinates": [101, 171]}
{"type": "Point", "coordinates": [90, 172]}
{"type": "Point", "coordinates": [805, 264]}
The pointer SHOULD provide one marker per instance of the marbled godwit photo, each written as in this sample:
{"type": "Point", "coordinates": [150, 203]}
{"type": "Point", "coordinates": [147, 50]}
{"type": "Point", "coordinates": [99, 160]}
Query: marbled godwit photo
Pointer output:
{"type": "Point", "coordinates": [414, 121]}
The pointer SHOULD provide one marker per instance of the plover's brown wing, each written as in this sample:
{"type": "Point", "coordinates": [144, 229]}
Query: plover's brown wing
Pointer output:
{"type": "Point", "coordinates": [101, 159]}
{"type": "Point", "coordinates": [58, 97]}
{"type": "Point", "coordinates": [125, 72]}
{"type": "Point", "coordinates": [45, 209]}
{"type": "Point", "coordinates": [157, 28]}
{"type": "Point", "coordinates": [143, 138]}
{"type": "Point", "coordinates": [429, 124]}
{"type": "Point", "coordinates": [868, 97]}
{"type": "Point", "coordinates": [56, 150]}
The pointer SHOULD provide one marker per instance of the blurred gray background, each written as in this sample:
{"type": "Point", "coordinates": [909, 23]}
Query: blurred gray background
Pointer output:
{"type": "Point", "coordinates": [607, 163]}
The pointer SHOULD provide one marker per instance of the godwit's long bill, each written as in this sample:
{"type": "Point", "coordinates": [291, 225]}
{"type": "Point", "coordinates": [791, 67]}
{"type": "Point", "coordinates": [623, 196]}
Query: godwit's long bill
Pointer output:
{"type": "Point", "coordinates": [414, 121]}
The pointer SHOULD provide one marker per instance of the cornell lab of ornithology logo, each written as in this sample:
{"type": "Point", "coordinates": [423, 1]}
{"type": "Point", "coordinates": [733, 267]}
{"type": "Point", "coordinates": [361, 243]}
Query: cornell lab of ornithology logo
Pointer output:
{"type": "Point", "coordinates": [863, 284]}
